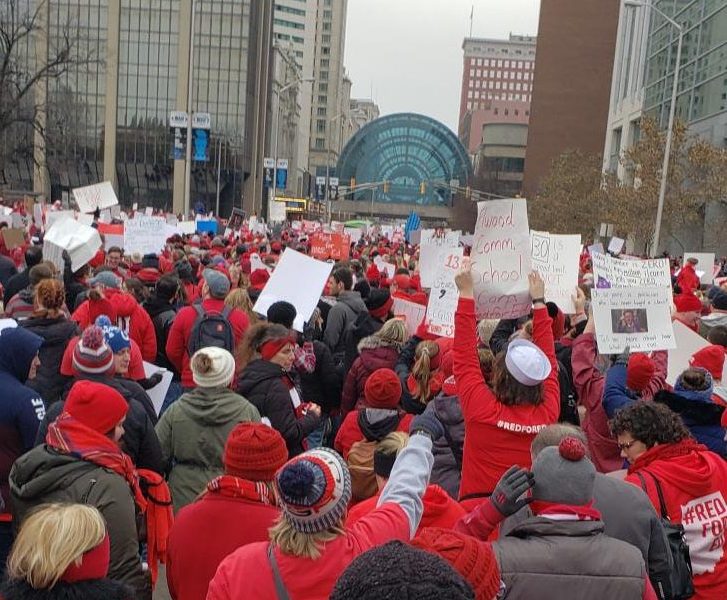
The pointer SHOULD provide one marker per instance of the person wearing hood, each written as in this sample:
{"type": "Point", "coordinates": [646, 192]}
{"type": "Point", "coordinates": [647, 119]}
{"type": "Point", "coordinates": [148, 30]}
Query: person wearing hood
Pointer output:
{"type": "Point", "coordinates": [440, 510]}
{"type": "Point", "coordinates": [161, 307]}
{"type": "Point", "coordinates": [50, 322]}
{"type": "Point", "coordinates": [666, 462]}
{"type": "Point", "coordinates": [192, 432]}
{"type": "Point", "coordinates": [266, 382]}
{"type": "Point", "coordinates": [692, 400]}
{"type": "Point", "coordinates": [201, 536]}
{"type": "Point", "coordinates": [712, 358]}
{"type": "Point", "coordinates": [21, 411]}
{"type": "Point", "coordinates": [106, 298]}
{"type": "Point", "coordinates": [343, 314]}
{"type": "Point", "coordinates": [633, 377]}
{"type": "Point", "coordinates": [379, 351]}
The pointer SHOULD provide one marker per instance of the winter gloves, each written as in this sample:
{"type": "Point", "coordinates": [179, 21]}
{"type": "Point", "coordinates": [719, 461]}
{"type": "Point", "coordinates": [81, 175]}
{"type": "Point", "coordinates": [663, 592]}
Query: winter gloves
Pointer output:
{"type": "Point", "coordinates": [427, 424]}
{"type": "Point", "coordinates": [512, 485]}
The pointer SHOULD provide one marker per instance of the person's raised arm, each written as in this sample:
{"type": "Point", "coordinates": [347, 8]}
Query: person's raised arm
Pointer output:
{"type": "Point", "coordinates": [543, 339]}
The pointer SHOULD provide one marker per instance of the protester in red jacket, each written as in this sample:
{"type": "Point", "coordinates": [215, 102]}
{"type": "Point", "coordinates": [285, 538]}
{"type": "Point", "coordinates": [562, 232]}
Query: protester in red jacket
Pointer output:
{"type": "Point", "coordinates": [688, 280]}
{"type": "Point", "coordinates": [693, 483]}
{"type": "Point", "coordinates": [502, 421]}
{"type": "Point", "coordinates": [214, 290]}
{"type": "Point", "coordinates": [106, 298]}
{"type": "Point", "coordinates": [201, 536]}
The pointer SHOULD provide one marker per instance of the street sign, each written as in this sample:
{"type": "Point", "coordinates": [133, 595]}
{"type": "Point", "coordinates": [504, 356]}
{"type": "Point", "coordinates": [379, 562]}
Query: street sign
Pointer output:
{"type": "Point", "coordinates": [201, 123]}
{"type": "Point", "coordinates": [320, 188]}
{"type": "Point", "coordinates": [178, 122]}
{"type": "Point", "coordinates": [282, 175]}
{"type": "Point", "coordinates": [334, 188]}
{"type": "Point", "coordinates": [268, 171]}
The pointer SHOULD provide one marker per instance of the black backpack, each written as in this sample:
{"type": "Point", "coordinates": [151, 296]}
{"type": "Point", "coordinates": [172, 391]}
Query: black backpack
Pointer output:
{"type": "Point", "coordinates": [568, 397]}
{"type": "Point", "coordinates": [211, 329]}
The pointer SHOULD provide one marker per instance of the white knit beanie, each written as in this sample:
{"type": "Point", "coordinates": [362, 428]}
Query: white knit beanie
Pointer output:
{"type": "Point", "coordinates": [221, 372]}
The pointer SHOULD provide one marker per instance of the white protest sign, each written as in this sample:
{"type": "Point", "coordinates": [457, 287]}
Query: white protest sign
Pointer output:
{"type": "Point", "coordinates": [149, 211]}
{"type": "Point", "coordinates": [52, 216]}
{"type": "Point", "coordinates": [298, 279]}
{"type": "Point", "coordinates": [159, 391]}
{"type": "Point", "coordinates": [616, 245]}
{"type": "Point", "coordinates": [596, 248]}
{"type": "Point", "coordinates": [432, 243]}
{"type": "Point", "coordinates": [81, 241]}
{"type": "Point", "coordinates": [387, 231]}
{"type": "Point", "coordinates": [105, 216]}
{"type": "Point", "coordinates": [444, 295]}
{"type": "Point", "coordinates": [639, 318]}
{"type": "Point", "coordinates": [84, 219]}
{"type": "Point", "coordinates": [257, 264]}
{"type": "Point", "coordinates": [276, 211]}
{"type": "Point", "coordinates": [354, 233]}
{"type": "Point", "coordinates": [145, 235]}
{"type": "Point", "coordinates": [556, 258]}
{"type": "Point", "coordinates": [91, 197]}
{"type": "Point", "coordinates": [612, 272]}
{"type": "Point", "coordinates": [501, 259]}
{"type": "Point", "coordinates": [38, 214]}
{"type": "Point", "coordinates": [385, 268]}
{"type": "Point", "coordinates": [705, 265]}
{"type": "Point", "coordinates": [187, 227]}
{"type": "Point", "coordinates": [410, 312]}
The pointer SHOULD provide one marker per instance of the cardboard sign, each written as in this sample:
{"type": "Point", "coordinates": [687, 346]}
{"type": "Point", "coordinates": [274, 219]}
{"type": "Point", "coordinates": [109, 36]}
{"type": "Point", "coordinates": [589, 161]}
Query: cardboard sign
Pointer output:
{"type": "Point", "coordinates": [81, 241]}
{"type": "Point", "coordinates": [705, 266]}
{"type": "Point", "coordinates": [113, 235]}
{"type": "Point", "coordinates": [330, 245]}
{"type": "Point", "coordinates": [146, 235]}
{"type": "Point", "coordinates": [91, 197]}
{"type": "Point", "coordinates": [410, 312]}
{"type": "Point", "coordinates": [687, 343]}
{"type": "Point", "coordinates": [501, 259]}
{"type": "Point", "coordinates": [444, 295]}
{"type": "Point", "coordinates": [14, 238]}
{"type": "Point", "coordinates": [434, 245]}
{"type": "Point", "coordinates": [616, 245]}
{"type": "Point", "coordinates": [159, 391]}
{"type": "Point", "coordinates": [639, 318]}
{"type": "Point", "coordinates": [556, 258]}
{"type": "Point", "coordinates": [612, 272]}
{"type": "Point", "coordinates": [298, 279]}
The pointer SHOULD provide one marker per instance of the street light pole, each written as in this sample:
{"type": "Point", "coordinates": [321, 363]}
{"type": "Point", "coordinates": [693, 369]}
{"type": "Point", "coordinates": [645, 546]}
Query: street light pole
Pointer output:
{"type": "Point", "coordinates": [328, 163]}
{"type": "Point", "coordinates": [219, 173]}
{"type": "Point", "coordinates": [188, 155]}
{"type": "Point", "coordinates": [672, 114]}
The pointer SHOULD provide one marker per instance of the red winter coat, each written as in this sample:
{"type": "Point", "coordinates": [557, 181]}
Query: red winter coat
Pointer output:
{"type": "Point", "coordinates": [201, 538]}
{"type": "Point", "coordinates": [497, 436]}
{"type": "Point", "coordinates": [589, 384]}
{"type": "Point", "coordinates": [181, 329]}
{"type": "Point", "coordinates": [440, 510]}
{"type": "Point", "coordinates": [350, 432]}
{"type": "Point", "coordinates": [374, 354]}
{"type": "Point", "coordinates": [130, 316]}
{"type": "Point", "coordinates": [687, 279]}
{"type": "Point", "coordinates": [246, 573]}
{"type": "Point", "coordinates": [694, 484]}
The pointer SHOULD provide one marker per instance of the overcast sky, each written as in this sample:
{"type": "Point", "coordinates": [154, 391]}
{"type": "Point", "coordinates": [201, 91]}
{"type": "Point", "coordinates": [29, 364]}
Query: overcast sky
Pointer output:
{"type": "Point", "coordinates": [410, 51]}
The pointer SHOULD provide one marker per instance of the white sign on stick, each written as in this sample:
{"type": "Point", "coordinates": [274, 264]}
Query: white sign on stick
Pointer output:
{"type": "Point", "coordinates": [612, 272]}
{"type": "Point", "coordinates": [91, 197]}
{"type": "Point", "coordinates": [410, 312]}
{"type": "Point", "coordinates": [187, 227]}
{"type": "Point", "coordinates": [705, 265]}
{"type": "Point", "coordinates": [298, 279]}
{"type": "Point", "coordinates": [687, 343]}
{"type": "Point", "coordinates": [556, 258]}
{"type": "Point", "coordinates": [81, 241]}
{"type": "Point", "coordinates": [145, 235]}
{"type": "Point", "coordinates": [616, 245]}
{"type": "Point", "coordinates": [501, 259]}
{"type": "Point", "coordinates": [639, 318]}
{"type": "Point", "coordinates": [444, 295]}
{"type": "Point", "coordinates": [431, 243]}
{"type": "Point", "coordinates": [159, 391]}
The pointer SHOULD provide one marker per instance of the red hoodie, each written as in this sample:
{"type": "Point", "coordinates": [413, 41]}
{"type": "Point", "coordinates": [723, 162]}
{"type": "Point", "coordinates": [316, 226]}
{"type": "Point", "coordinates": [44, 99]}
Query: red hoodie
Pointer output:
{"type": "Point", "coordinates": [130, 317]}
{"type": "Point", "coordinates": [694, 483]}
{"type": "Point", "coordinates": [498, 436]}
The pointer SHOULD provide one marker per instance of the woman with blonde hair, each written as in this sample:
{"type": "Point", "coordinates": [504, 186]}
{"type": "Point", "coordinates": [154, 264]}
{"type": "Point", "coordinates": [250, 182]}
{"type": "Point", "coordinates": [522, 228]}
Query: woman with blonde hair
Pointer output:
{"type": "Point", "coordinates": [240, 299]}
{"type": "Point", "coordinates": [378, 351]}
{"type": "Point", "coordinates": [62, 552]}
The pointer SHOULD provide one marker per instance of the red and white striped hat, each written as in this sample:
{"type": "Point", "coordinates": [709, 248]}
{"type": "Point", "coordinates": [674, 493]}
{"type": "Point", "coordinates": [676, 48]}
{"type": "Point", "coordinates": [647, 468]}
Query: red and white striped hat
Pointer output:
{"type": "Point", "coordinates": [92, 354]}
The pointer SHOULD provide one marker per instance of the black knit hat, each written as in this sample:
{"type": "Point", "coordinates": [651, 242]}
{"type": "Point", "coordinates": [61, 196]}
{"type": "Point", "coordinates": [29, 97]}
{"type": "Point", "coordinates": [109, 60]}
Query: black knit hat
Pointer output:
{"type": "Point", "coordinates": [377, 298]}
{"type": "Point", "coordinates": [282, 313]}
{"type": "Point", "coordinates": [396, 571]}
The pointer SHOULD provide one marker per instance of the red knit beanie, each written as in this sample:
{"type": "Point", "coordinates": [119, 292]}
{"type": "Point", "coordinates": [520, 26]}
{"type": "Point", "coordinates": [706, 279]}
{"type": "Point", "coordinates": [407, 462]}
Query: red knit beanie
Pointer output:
{"type": "Point", "coordinates": [96, 405]}
{"type": "Point", "coordinates": [687, 303]}
{"type": "Point", "coordinates": [254, 451]}
{"type": "Point", "coordinates": [710, 358]}
{"type": "Point", "coordinates": [639, 372]}
{"type": "Point", "coordinates": [382, 389]}
{"type": "Point", "coordinates": [471, 558]}
{"type": "Point", "coordinates": [402, 281]}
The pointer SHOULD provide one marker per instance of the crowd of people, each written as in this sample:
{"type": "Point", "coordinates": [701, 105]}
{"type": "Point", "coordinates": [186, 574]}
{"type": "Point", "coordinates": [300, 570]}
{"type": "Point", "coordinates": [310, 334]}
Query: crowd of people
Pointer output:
{"type": "Point", "coordinates": [349, 459]}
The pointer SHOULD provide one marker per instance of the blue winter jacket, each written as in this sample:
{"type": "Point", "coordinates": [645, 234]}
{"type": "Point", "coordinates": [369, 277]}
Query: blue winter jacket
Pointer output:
{"type": "Point", "coordinates": [615, 393]}
{"type": "Point", "coordinates": [21, 408]}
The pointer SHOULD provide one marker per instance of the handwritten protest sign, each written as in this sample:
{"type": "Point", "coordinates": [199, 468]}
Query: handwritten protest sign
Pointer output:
{"type": "Point", "coordinates": [145, 235]}
{"type": "Point", "coordinates": [639, 318]}
{"type": "Point", "coordinates": [330, 245]}
{"type": "Point", "coordinates": [159, 391]}
{"type": "Point", "coordinates": [298, 279]}
{"type": "Point", "coordinates": [14, 238]}
{"type": "Point", "coordinates": [612, 272]}
{"type": "Point", "coordinates": [81, 241]}
{"type": "Point", "coordinates": [410, 312]}
{"type": "Point", "coordinates": [434, 244]}
{"type": "Point", "coordinates": [556, 258]}
{"type": "Point", "coordinates": [501, 259]}
{"type": "Point", "coordinates": [444, 295]}
{"type": "Point", "coordinates": [705, 266]}
{"type": "Point", "coordinates": [98, 195]}
{"type": "Point", "coordinates": [113, 235]}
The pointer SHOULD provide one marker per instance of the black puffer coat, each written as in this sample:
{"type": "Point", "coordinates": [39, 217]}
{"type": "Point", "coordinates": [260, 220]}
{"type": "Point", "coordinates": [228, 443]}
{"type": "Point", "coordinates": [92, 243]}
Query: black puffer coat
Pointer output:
{"type": "Point", "coordinates": [447, 450]}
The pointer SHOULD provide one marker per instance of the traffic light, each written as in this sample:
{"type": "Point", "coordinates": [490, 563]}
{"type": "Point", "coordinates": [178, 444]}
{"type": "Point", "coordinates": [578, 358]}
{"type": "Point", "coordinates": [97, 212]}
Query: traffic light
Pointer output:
{"type": "Point", "coordinates": [353, 182]}
{"type": "Point", "coordinates": [422, 188]}
{"type": "Point", "coordinates": [468, 193]}
{"type": "Point", "coordinates": [386, 187]}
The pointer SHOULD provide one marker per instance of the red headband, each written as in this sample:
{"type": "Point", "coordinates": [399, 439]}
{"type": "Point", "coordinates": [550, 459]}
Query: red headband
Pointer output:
{"type": "Point", "coordinates": [272, 347]}
{"type": "Point", "coordinates": [94, 564]}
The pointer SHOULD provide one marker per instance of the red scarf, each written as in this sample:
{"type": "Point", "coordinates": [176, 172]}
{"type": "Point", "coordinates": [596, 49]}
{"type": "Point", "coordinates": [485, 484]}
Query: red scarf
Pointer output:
{"type": "Point", "coordinates": [567, 512]}
{"type": "Point", "coordinates": [666, 451]}
{"type": "Point", "coordinates": [235, 487]}
{"type": "Point", "coordinates": [69, 436]}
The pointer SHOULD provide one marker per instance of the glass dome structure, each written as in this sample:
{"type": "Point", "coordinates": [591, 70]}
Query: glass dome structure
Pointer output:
{"type": "Point", "coordinates": [418, 157]}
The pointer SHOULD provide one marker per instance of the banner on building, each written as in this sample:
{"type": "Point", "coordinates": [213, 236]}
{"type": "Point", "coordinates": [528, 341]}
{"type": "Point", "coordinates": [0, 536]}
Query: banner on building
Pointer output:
{"type": "Point", "coordinates": [282, 174]}
{"type": "Point", "coordinates": [201, 125]}
{"type": "Point", "coordinates": [320, 188]}
{"type": "Point", "coordinates": [268, 172]}
{"type": "Point", "coordinates": [178, 123]}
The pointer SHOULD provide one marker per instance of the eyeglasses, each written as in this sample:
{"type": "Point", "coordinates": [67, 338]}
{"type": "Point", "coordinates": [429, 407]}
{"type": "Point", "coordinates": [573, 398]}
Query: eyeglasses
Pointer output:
{"type": "Point", "coordinates": [627, 445]}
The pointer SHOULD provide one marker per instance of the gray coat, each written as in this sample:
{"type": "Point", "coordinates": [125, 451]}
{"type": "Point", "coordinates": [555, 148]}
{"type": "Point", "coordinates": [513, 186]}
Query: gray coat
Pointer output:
{"type": "Point", "coordinates": [447, 471]}
{"type": "Point", "coordinates": [553, 560]}
{"type": "Point", "coordinates": [342, 315]}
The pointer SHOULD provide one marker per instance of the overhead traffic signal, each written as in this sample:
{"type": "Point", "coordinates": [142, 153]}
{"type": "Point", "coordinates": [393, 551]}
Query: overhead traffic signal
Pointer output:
{"type": "Point", "coordinates": [386, 187]}
{"type": "Point", "coordinates": [422, 188]}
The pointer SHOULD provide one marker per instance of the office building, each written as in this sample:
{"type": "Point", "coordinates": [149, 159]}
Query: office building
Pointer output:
{"type": "Point", "coordinates": [363, 111]}
{"type": "Point", "coordinates": [570, 103]}
{"type": "Point", "coordinates": [497, 80]}
{"type": "Point", "coordinates": [500, 160]}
